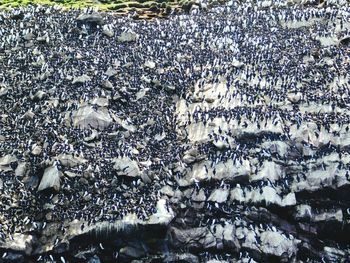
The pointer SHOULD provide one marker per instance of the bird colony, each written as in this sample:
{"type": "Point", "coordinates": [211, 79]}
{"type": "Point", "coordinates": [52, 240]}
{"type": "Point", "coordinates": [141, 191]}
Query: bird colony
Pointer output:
{"type": "Point", "coordinates": [221, 135]}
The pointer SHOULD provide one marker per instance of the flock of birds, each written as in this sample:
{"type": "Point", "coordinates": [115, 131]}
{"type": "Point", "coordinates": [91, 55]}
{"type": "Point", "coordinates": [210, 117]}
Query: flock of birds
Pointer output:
{"type": "Point", "coordinates": [235, 68]}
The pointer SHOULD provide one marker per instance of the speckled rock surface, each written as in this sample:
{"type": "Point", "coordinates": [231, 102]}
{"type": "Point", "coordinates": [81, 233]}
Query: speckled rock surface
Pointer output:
{"type": "Point", "coordinates": [214, 136]}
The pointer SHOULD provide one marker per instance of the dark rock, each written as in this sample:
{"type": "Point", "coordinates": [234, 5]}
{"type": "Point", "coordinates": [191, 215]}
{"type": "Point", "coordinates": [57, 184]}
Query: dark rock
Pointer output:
{"type": "Point", "coordinates": [13, 257]}
{"type": "Point", "coordinates": [345, 40]}
{"type": "Point", "coordinates": [94, 18]}
{"type": "Point", "coordinates": [132, 252]}
{"type": "Point", "coordinates": [193, 238]}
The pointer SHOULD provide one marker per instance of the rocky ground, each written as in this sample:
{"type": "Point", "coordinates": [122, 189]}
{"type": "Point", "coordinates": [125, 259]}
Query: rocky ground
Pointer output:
{"type": "Point", "coordinates": [214, 136]}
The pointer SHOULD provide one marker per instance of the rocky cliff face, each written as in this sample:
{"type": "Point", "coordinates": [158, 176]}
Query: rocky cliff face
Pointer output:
{"type": "Point", "coordinates": [218, 136]}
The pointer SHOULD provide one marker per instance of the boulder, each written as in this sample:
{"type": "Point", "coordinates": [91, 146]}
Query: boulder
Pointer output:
{"type": "Point", "coordinates": [88, 117]}
{"type": "Point", "coordinates": [39, 95]}
{"type": "Point", "coordinates": [288, 200]}
{"type": "Point", "coordinates": [229, 239]}
{"type": "Point", "coordinates": [36, 149]}
{"type": "Point", "coordinates": [274, 243]}
{"type": "Point", "coordinates": [100, 101]}
{"type": "Point", "coordinates": [199, 196]}
{"type": "Point", "coordinates": [188, 159]}
{"type": "Point", "coordinates": [19, 242]}
{"type": "Point", "coordinates": [236, 63]}
{"type": "Point", "coordinates": [133, 252]}
{"type": "Point", "coordinates": [4, 90]}
{"type": "Point", "coordinates": [192, 238]}
{"type": "Point", "coordinates": [150, 64]}
{"type": "Point", "coordinates": [303, 212]}
{"type": "Point", "coordinates": [221, 144]}
{"type": "Point", "coordinates": [107, 31]}
{"type": "Point", "coordinates": [164, 214]}
{"type": "Point", "coordinates": [269, 170]}
{"type": "Point", "coordinates": [21, 169]}
{"type": "Point", "coordinates": [345, 40]}
{"type": "Point", "coordinates": [7, 160]}
{"type": "Point", "coordinates": [128, 36]}
{"type": "Point", "coordinates": [29, 36]}
{"type": "Point", "coordinates": [69, 160]}
{"type": "Point", "coordinates": [219, 195]}
{"type": "Point", "coordinates": [294, 97]}
{"type": "Point", "coordinates": [81, 79]}
{"type": "Point", "coordinates": [50, 179]}
{"type": "Point", "coordinates": [125, 124]}
{"type": "Point", "coordinates": [237, 195]}
{"type": "Point", "coordinates": [107, 85]}
{"type": "Point", "coordinates": [167, 190]}
{"type": "Point", "coordinates": [126, 167]}
{"type": "Point", "coordinates": [111, 72]}
{"type": "Point", "coordinates": [93, 136]}
{"type": "Point", "coordinates": [94, 18]}
{"type": "Point", "coordinates": [192, 155]}
{"type": "Point", "coordinates": [327, 216]}
{"type": "Point", "coordinates": [333, 254]}
{"type": "Point", "coordinates": [248, 237]}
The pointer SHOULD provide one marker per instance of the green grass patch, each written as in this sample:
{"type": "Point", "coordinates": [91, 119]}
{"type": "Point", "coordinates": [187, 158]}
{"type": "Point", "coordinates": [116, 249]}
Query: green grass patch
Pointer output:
{"type": "Point", "coordinates": [103, 5]}
{"type": "Point", "coordinates": [144, 8]}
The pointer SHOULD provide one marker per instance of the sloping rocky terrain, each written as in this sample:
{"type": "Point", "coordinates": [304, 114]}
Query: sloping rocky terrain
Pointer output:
{"type": "Point", "coordinates": [216, 136]}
